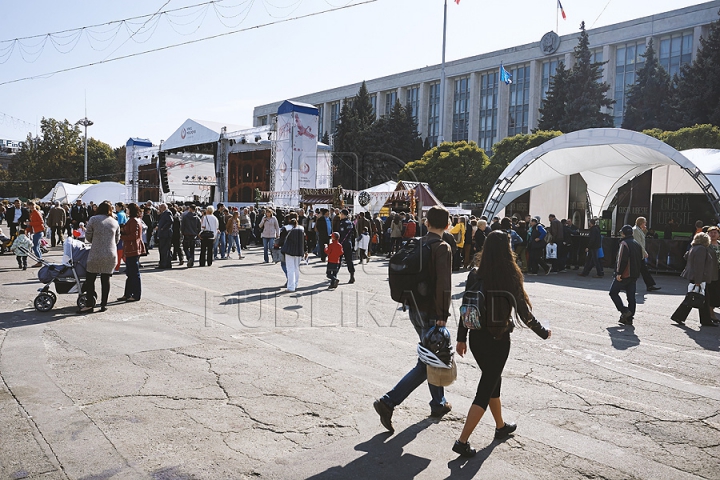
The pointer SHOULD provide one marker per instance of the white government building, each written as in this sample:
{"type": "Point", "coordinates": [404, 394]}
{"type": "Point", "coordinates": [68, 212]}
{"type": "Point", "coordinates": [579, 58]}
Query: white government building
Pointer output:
{"type": "Point", "coordinates": [478, 109]}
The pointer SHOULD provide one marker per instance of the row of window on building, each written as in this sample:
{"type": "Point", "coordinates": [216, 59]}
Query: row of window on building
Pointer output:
{"type": "Point", "coordinates": [674, 51]}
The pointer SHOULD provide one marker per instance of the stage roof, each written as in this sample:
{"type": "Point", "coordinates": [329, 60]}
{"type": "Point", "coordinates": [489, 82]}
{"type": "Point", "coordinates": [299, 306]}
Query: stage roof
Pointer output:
{"type": "Point", "coordinates": [606, 158]}
{"type": "Point", "coordinates": [197, 132]}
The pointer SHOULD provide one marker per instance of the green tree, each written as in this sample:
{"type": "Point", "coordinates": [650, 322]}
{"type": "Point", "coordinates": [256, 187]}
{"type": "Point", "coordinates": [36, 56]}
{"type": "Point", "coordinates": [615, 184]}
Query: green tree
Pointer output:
{"type": "Point", "coordinates": [325, 138]}
{"type": "Point", "coordinates": [505, 151]}
{"type": "Point", "coordinates": [698, 136]}
{"type": "Point", "coordinates": [552, 111]}
{"type": "Point", "coordinates": [648, 104]}
{"type": "Point", "coordinates": [452, 169]}
{"type": "Point", "coordinates": [698, 85]}
{"type": "Point", "coordinates": [586, 95]}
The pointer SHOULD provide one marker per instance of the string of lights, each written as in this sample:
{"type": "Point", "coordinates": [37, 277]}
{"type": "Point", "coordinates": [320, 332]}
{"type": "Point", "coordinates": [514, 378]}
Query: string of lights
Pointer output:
{"type": "Point", "coordinates": [15, 123]}
{"type": "Point", "coordinates": [189, 42]}
{"type": "Point", "coordinates": [183, 20]}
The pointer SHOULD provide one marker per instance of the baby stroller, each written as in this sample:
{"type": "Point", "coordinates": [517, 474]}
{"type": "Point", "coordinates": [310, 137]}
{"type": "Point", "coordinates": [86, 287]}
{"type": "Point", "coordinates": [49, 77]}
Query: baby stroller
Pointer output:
{"type": "Point", "coordinates": [67, 276]}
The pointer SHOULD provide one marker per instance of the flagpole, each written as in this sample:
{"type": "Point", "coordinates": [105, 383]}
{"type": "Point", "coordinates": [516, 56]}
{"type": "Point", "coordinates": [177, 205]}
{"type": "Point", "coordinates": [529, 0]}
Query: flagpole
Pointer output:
{"type": "Point", "coordinates": [557, 19]}
{"type": "Point", "coordinates": [442, 80]}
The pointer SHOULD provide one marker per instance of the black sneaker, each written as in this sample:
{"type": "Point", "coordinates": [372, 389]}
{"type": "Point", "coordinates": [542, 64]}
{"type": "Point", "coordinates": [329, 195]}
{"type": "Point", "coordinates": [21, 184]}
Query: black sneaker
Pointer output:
{"type": "Point", "coordinates": [385, 413]}
{"type": "Point", "coordinates": [626, 321]}
{"type": "Point", "coordinates": [503, 432]}
{"type": "Point", "coordinates": [653, 288]}
{"type": "Point", "coordinates": [439, 413]}
{"type": "Point", "coordinates": [463, 449]}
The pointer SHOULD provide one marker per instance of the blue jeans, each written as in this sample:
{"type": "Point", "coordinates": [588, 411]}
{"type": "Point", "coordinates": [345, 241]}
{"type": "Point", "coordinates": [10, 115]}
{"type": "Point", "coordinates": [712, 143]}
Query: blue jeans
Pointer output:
{"type": "Point", "coordinates": [413, 379]}
{"type": "Point", "coordinates": [36, 244]}
{"type": "Point", "coordinates": [627, 284]}
{"type": "Point", "coordinates": [236, 240]}
{"type": "Point", "coordinates": [132, 282]}
{"type": "Point", "coordinates": [219, 241]}
{"type": "Point", "coordinates": [267, 245]}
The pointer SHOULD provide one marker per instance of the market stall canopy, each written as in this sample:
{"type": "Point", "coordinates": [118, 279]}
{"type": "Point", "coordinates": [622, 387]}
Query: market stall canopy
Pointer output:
{"type": "Point", "coordinates": [605, 157]}
{"type": "Point", "coordinates": [197, 132]}
{"type": "Point", "coordinates": [378, 194]}
{"type": "Point", "coordinates": [64, 193]}
{"type": "Point", "coordinates": [99, 192]}
{"type": "Point", "coordinates": [423, 193]}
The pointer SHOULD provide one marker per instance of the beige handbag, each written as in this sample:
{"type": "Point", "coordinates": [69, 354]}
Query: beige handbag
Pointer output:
{"type": "Point", "coordinates": [442, 377]}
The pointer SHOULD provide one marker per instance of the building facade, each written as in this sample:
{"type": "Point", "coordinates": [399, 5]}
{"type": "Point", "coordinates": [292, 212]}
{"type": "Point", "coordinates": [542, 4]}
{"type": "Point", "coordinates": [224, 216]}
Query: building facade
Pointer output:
{"type": "Point", "coordinates": [479, 108]}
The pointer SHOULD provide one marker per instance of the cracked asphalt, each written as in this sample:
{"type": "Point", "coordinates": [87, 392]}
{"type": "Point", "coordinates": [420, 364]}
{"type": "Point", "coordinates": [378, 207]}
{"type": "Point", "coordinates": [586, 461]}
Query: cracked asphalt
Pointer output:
{"type": "Point", "coordinates": [219, 374]}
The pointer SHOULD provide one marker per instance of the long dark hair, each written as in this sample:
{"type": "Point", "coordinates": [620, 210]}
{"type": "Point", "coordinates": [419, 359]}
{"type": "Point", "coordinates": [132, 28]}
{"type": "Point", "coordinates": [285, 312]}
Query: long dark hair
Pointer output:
{"type": "Point", "coordinates": [498, 268]}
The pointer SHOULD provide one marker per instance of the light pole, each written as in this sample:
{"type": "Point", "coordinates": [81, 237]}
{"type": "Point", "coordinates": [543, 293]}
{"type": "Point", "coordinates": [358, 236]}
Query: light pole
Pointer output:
{"type": "Point", "coordinates": [85, 123]}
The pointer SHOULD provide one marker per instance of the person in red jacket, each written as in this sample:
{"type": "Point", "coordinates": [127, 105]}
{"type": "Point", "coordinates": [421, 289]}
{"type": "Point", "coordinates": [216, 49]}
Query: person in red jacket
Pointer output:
{"type": "Point", "coordinates": [37, 225]}
{"type": "Point", "coordinates": [334, 252]}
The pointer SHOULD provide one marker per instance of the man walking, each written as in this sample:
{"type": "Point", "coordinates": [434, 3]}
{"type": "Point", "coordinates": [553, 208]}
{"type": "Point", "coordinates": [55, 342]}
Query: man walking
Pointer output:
{"type": "Point", "coordinates": [56, 222]}
{"type": "Point", "coordinates": [425, 313]}
{"type": "Point", "coordinates": [323, 226]}
{"type": "Point", "coordinates": [164, 236]}
{"type": "Point", "coordinates": [190, 228]}
{"type": "Point", "coordinates": [558, 238]}
{"type": "Point", "coordinates": [346, 229]}
{"type": "Point", "coordinates": [627, 271]}
{"type": "Point", "coordinates": [536, 247]}
{"type": "Point", "coordinates": [639, 234]}
{"type": "Point", "coordinates": [594, 243]}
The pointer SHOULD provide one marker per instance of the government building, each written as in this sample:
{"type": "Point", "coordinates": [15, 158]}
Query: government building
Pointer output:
{"type": "Point", "coordinates": [479, 108]}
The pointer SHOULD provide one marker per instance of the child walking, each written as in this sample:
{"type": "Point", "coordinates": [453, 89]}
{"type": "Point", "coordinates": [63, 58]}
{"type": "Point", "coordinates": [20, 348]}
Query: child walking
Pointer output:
{"type": "Point", "coordinates": [21, 246]}
{"type": "Point", "coordinates": [334, 252]}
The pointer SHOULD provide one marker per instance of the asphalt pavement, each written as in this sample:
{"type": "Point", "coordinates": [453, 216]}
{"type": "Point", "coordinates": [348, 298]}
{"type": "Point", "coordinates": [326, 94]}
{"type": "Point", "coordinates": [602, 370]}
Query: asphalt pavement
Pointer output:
{"type": "Point", "coordinates": [218, 373]}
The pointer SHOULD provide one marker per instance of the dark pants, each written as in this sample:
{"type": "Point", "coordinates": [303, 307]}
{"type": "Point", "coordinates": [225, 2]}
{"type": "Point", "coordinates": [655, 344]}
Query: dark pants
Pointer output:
{"type": "Point", "coordinates": [244, 238]}
{"type": "Point", "coordinates": [490, 355]}
{"type": "Point", "coordinates": [682, 312]}
{"type": "Point", "coordinates": [206, 251]}
{"type": "Point", "coordinates": [535, 260]}
{"type": "Point", "coordinates": [22, 261]}
{"type": "Point", "coordinates": [629, 285]}
{"type": "Point", "coordinates": [561, 261]}
{"type": "Point", "coordinates": [177, 249]}
{"type": "Point", "coordinates": [348, 255]}
{"type": "Point", "coordinates": [89, 286]}
{"type": "Point", "coordinates": [591, 261]}
{"type": "Point", "coordinates": [164, 245]}
{"type": "Point", "coordinates": [132, 282]}
{"type": "Point", "coordinates": [574, 250]}
{"type": "Point", "coordinates": [324, 240]}
{"type": "Point", "coordinates": [331, 270]}
{"type": "Point", "coordinates": [647, 278]}
{"type": "Point", "coordinates": [189, 247]}
{"type": "Point", "coordinates": [56, 231]}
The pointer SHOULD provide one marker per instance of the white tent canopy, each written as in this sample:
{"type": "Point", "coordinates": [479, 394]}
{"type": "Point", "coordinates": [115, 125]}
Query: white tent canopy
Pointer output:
{"type": "Point", "coordinates": [606, 158]}
{"type": "Point", "coordinates": [197, 132]}
{"type": "Point", "coordinates": [379, 195]}
{"type": "Point", "coordinates": [64, 193]}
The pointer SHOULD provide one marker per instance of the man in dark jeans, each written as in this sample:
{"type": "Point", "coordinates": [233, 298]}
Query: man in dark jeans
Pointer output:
{"type": "Point", "coordinates": [536, 247]}
{"type": "Point", "coordinates": [425, 313]}
{"type": "Point", "coordinates": [190, 228]}
{"type": "Point", "coordinates": [346, 229]}
{"type": "Point", "coordinates": [594, 244]}
{"type": "Point", "coordinates": [627, 271]}
{"type": "Point", "coordinates": [164, 235]}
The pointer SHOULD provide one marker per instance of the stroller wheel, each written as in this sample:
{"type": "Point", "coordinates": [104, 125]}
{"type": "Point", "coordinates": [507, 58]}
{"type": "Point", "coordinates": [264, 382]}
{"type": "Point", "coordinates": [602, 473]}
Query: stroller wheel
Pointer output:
{"type": "Point", "coordinates": [85, 301]}
{"type": "Point", "coordinates": [44, 302]}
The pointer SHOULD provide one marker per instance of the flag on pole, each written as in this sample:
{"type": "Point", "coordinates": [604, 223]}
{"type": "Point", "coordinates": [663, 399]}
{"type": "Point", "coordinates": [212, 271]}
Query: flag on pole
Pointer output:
{"type": "Point", "coordinates": [457, 1]}
{"type": "Point", "coordinates": [505, 76]}
{"type": "Point", "coordinates": [562, 10]}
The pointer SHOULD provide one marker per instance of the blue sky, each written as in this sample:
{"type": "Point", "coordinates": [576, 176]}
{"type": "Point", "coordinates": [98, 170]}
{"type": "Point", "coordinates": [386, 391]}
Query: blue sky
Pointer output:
{"type": "Point", "coordinates": [223, 79]}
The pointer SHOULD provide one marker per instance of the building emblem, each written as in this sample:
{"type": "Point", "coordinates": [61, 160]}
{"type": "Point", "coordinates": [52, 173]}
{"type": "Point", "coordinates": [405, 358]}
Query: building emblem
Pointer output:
{"type": "Point", "coordinates": [549, 43]}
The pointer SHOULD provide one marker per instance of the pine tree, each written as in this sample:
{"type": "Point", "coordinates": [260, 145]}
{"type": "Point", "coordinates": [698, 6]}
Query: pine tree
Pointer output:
{"type": "Point", "coordinates": [325, 138]}
{"type": "Point", "coordinates": [552, 111]}
{"type": "Point", "coordinates": [698, 85]}
{"type": "Point", "coordinates": [363, 108]}
{"type": "Point", "coordinates": [648, 98]}
{"type": "Point", "coordinates": [585, 94]}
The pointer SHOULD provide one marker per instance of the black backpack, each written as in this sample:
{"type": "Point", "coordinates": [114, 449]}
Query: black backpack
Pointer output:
{"type": "Point", "coordinates": [409, 272]}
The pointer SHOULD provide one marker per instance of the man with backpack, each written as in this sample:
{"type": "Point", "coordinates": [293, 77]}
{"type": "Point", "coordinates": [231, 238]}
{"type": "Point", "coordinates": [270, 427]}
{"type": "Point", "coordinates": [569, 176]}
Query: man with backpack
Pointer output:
{"type": "Point", "coordinates": [426, 311]}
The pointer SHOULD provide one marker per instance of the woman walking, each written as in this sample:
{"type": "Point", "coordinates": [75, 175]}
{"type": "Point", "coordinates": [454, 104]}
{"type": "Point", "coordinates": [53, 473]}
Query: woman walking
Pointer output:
{"type": "Point", "coordinates": [700, 271]}
{"type": "Point", "coordinates": [133, 248]}
{"type": "Point", "coordinates": [37, 226]}
{"type": "Point", "coordinates": [209, 227]}
{"type": "Point", "coordinates": [232, 231]}
{"type": "Point", "coordinates": [396, 233]}
{"type": "Point", "coordinates": [496, 270]}
{"type": "Point", "coordinates": [294, 249]}
{"type": "Point", "coordinates": [270, 231]}
{"type": "Point", "coordinates": [103, 232]}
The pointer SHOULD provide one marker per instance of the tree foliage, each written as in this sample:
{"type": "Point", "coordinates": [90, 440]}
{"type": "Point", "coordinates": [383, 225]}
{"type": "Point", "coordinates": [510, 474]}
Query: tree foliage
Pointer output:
{"type": "Point", "coordinates": [698, 85]}
{"type": "Point", "coordinates": [58, 155]}
{"type": "Point", "coordinates": [698, 136]}
{"type": "Point", "coordinates": [368, 151]}
{"type": "Point", "coordinates": [576, 102]}
{"type": "Point", "coordinates": [454, 171]}
{"type": "Point", "coordinates": [649, 99]}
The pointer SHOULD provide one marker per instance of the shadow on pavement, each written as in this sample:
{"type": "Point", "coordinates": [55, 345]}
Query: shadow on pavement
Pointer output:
{"type": "Point", "coordinates": [467, 468]}
{"type": "Point", "coordinates": [707, 337]}
{"type": "Point", "coordinates": [623, 337]}
{"type": "Point", "coordinates": [384, 458]}
{"type": "Point", "coordinates": [29, 316]}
